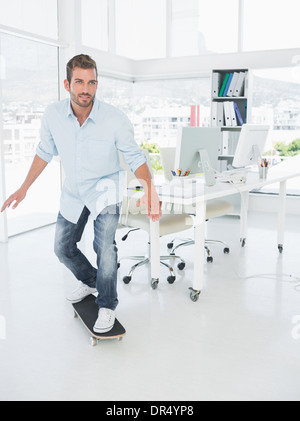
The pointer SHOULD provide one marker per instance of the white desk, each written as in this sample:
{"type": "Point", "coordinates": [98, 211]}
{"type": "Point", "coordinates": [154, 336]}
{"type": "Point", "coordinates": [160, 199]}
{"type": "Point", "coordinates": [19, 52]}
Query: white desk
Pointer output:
{"type": "Point", "coordinates": [199, 196]}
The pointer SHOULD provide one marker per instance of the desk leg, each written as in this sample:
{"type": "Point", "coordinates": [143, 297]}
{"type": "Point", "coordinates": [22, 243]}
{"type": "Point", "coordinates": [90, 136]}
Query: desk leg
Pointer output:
{"type": "Point", "coordinates": [281, 215]}
{"type": "Point", "coordinates": [244, 217]}
{"type": "Point", "coordinates": [199, 233]}
{"type": "Point", "coordinates": [154, 253]}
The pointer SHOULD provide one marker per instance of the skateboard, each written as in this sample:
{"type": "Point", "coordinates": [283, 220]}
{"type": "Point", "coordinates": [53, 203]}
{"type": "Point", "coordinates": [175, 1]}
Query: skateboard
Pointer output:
{"type": "Point", "coordinates": [87, 311]}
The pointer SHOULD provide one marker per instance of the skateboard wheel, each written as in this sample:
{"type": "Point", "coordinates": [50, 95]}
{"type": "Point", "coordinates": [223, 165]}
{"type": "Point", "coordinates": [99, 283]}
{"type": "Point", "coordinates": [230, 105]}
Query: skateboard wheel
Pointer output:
{"type": "Point", "coordinates": [226, 250]}
{"type": "Point", "coordinates": [93, 342]}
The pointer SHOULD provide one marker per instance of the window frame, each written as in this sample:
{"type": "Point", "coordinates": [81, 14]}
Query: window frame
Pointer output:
{"type": "Point", "coordinates": [55, 42]}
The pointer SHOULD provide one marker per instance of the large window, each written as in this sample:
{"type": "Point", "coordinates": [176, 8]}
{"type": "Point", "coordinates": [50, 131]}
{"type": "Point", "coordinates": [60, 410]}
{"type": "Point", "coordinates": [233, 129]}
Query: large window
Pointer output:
{"type": "Point", "coordinates": [202, 27]}
{"type": "Point", "coordinates": [29, 84]}
{"type": "Point", "coordinates": [276, 98]}
{"type": "Point", "coordinates": [141, 29]}
{"type": "Point", "coordinates": [94, 18]}
{"type": "Point", "coordinates": [271, 24]}
{"type": "Point", "coordinates": [158, 108]}
{"type": "Point", "coordinates": [118, 93]}
{"type": "Point", "coordinates": [144, 29]}
{"type": "Point", "coordinates": [162, 106]}
{"type": "Point", "coordinates": [35, 16]}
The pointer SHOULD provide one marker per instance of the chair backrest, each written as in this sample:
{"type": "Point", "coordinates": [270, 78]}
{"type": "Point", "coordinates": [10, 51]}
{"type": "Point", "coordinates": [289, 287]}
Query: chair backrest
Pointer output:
{"type": "Point", "coordinates": [167, 156]}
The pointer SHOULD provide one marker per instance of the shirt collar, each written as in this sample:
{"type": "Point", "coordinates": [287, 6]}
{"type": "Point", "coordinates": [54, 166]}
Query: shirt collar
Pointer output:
{"type": "Point", "coordinates": [93, 112]}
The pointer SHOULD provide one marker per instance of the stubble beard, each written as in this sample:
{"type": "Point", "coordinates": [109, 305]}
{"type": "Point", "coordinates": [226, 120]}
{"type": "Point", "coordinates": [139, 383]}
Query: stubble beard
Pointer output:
{"type": "Point", "coordinates": [82, 103]}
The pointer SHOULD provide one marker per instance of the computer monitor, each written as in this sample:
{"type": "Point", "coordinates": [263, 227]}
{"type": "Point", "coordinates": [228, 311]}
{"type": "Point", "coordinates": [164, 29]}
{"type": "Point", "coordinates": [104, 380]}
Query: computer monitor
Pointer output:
{"type": "Point", "coordinates": [190, 140]}
{"type": "Point", "coordinates": [251, 145]}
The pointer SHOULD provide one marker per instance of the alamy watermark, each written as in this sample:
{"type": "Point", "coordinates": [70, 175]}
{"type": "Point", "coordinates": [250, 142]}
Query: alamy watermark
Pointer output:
{"type": "Point", "coordinates": [2, 328]}
{"type": "Point", "coordinates": [296, 328]}
{"type": "Point", "coordinates": [2, 67]}
{"type": "Point", "coordinates": [111, 192]}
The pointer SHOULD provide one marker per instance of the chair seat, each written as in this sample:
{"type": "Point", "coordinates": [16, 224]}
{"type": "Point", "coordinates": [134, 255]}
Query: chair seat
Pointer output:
{"type": "Point", "coordinates": [168, 224]}
{"type": "Point", "coordinates": [216, 208]}
{"type": "Point", "coordinates": [171, 223]}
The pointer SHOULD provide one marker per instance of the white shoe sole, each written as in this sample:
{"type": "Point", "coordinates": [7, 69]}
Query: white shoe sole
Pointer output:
{"type": "Point", "coordinates": [103, 330]}
{"type": "Point", "coordinates": [81, 299]}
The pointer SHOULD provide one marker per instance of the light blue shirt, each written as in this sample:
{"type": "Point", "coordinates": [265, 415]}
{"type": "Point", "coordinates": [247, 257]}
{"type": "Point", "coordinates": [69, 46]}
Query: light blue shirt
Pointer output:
{"type": "Point", "coordinates": [89, 155]}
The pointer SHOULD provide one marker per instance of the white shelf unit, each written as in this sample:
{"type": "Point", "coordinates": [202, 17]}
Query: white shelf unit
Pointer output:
{"type": "Point", "coordinates": [231, 104]}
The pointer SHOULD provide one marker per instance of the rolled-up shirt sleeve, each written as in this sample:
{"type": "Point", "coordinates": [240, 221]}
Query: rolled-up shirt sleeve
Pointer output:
{"type": "Point", "coordinates": [126, 144]}
{"type": "Point", "coordinates": [46, 148]}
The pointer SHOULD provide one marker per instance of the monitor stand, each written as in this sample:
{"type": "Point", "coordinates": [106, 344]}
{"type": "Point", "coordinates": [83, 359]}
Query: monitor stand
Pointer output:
{"type": "Point", "coordinates": [255, 156]}
{"type": "Point", "coordinates": [254, 159]}
{"type": "Point", "coordinates": [208, 170]}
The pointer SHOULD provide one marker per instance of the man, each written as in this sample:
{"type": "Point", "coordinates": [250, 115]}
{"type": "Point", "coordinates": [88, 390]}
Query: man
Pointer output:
{"type": "Point", "coordinates": [88, 134]}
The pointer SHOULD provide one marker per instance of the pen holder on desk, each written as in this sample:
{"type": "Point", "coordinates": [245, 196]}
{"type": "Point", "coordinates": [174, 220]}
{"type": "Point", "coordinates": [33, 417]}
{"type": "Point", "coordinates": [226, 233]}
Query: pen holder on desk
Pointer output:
{"type": "Point", "coordinates": [180, 173]}
{"type": "Point", "coordinates": [263, 172]}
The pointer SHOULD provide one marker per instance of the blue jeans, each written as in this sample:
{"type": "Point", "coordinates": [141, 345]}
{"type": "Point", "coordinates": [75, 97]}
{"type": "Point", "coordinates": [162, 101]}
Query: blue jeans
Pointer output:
{"type": "Point", "coordinates": [104, 278]}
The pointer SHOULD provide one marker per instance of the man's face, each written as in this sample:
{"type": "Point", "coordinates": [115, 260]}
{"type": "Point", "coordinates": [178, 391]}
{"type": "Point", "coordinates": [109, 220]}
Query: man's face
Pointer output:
{"type": "Point", "coordinates": [83, 87]}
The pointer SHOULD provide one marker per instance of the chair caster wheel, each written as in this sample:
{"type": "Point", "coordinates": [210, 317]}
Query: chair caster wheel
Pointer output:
{"type": "Point", "coordinates": [194, 295]}
{"type": "Point", "coordinates": [170, 246]}
{"type": "Point", "coordinates": [210, 259]}
{"type": "Point", "coordinates": [181, 266]}
{"type": "Point", "coordinates": [226, 250]}
{"type": "Point", "coordinates": [154, 283]}
{"type": "Point", "coordinates": [280, 248]}
{"type": "Point", "coordinates": [126, 279]}
{"type": "Point", "coordinates": [171, 279]}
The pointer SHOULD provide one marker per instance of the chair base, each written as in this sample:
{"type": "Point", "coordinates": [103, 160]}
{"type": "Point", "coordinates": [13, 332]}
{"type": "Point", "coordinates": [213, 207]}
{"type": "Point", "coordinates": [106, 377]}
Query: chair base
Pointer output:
{"type": "Point", "coordinates": [188, 242]}
{"type": "Point", "coordinates": [143, 260]}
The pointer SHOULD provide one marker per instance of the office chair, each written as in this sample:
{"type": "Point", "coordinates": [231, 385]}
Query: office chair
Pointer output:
{"type": "Point", "coordinates": [214, 208]}
{"type": "Point", "coordinates": [135, 217]}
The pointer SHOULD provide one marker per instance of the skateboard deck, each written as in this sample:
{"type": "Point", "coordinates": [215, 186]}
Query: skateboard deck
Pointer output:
{"type": "Point", "coordinates": [87, 311]}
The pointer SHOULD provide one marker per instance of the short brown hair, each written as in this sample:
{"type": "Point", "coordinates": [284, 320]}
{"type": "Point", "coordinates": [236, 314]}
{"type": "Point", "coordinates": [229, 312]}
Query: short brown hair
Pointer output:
{"type": "Point", "coordinates": [82, 61]}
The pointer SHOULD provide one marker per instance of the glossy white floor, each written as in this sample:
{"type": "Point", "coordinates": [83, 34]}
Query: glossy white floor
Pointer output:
{"type": "Point", "coordinates": [238, 342]}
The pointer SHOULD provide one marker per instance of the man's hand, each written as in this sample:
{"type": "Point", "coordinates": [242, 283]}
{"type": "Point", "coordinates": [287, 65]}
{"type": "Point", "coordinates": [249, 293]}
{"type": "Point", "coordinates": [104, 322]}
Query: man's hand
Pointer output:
{"type": "Point", "coordinates": [16, 197]}
{"type": "Point", "coordinates": [150, 198]}
{"type": "Point", "coordinates": [152, 204]}
{"type": "Point", "coordinates": [37, 166]}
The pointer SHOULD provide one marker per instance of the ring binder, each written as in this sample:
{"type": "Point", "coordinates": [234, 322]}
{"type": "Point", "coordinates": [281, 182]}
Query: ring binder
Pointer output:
{"type": "Point", "coordinates": [230, 107]}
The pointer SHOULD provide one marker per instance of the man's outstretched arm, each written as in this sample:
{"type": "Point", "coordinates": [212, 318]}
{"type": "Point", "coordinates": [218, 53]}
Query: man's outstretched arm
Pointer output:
{"type": "Point", "coordinates": [37, 167]}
